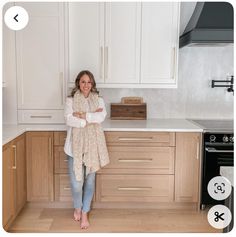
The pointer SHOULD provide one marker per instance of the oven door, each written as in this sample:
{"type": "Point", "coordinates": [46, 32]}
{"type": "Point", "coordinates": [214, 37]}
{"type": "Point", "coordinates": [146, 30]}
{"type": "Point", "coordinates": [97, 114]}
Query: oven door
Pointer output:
{"type": "Point", "coordinates": [215, 155]}
{"type": "Point", "coordinates": [222, 155]}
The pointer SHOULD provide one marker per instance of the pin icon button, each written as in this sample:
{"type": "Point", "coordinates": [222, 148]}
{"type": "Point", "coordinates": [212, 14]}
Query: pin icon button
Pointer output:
{"type": "Point", "coordinates": [16, 18]}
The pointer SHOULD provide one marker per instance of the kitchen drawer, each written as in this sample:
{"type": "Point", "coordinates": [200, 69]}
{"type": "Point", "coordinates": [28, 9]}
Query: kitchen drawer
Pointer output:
{"type": "Point", "coordinates": [135, 188]}
{"type": "Point", "coordinates": [142, 160]}
{"type": "Point", "coordinates": [62, 188]}
{"type": "Point", "coordinates": [41, 116]}
{"type": "Point", "coordinates": [59, 138]}
{"type": "Point", "coordinates": [140, 138]}
{"type": "Point", "coordinates": [60, 160]}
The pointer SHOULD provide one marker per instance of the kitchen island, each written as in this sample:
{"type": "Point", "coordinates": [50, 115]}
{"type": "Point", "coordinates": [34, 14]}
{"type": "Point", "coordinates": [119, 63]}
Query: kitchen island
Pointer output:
{"type": "Point", "coordinates": [153, 162]}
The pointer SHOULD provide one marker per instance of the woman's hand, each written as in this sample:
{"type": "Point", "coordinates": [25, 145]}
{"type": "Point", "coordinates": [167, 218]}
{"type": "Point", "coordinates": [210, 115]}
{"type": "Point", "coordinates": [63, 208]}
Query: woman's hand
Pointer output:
{"type": "Point", "coordinates": [99, 110]}
{"type": "Point", "coordinates": [81, 115]}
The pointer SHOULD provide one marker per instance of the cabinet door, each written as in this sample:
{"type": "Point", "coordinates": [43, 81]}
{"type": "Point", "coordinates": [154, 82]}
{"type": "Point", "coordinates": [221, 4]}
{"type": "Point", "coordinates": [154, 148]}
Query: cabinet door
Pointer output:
{"type": "Point", "coordinates": [187, 167]}
{"type": "Point", "coordinates": [159, 44]}
{"type": "Point", "coordinates": [122, 42]}
{"type": "Point", "coordinates": [40, 57]}
{"type": "Point", "coordinates": [39, 166]}
{"type": "Point", "coordinates": [86, 39]}
{"type": "Point", "coordinates": [8, 185]}
{"type": "Point", "coordinates": [20, 174]}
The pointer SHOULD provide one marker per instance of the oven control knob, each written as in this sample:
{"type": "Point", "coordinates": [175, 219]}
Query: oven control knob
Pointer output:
{"type": "Point", "coordinates": [231, 139]}
{"type": "Point", "coordinates": [225, 138]}
{"type": "Point", "coordinates": [212, 138]}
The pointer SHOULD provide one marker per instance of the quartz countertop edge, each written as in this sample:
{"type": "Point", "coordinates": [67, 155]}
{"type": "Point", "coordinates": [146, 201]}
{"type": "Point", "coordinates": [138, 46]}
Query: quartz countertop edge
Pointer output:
{"type": "Point", "coordinates": [10, 132]}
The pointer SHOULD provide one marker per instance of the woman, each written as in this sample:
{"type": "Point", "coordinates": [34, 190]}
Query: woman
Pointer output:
{"type": "Point", "coordinates": [85, 144]}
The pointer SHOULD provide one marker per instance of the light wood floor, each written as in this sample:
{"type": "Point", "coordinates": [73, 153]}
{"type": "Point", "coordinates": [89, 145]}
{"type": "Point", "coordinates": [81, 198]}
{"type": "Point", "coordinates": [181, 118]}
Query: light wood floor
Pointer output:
{"type": "Point", "coordinates": [33, 219]}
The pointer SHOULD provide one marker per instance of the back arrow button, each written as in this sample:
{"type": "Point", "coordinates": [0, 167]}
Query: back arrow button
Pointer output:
{"type": "Point", "coordinates": [15, 17]}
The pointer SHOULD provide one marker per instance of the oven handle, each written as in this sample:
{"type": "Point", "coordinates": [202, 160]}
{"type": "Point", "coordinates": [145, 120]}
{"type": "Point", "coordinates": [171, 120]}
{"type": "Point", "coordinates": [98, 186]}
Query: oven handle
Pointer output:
{"type": "Point", "coordinates": [217, 151]}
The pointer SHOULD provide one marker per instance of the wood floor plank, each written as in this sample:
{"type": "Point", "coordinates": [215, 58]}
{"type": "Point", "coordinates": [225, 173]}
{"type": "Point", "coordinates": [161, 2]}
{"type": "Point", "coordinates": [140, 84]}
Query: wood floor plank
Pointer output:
{"type": "Point", "coordinates": [60, 220]}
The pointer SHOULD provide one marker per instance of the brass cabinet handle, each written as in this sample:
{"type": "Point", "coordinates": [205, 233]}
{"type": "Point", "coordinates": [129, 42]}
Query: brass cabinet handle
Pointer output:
{"type": "Point", "coordinates": [14, 148]}
{"type": "Point", "coordinates": [40, 116]}
{"type": "Point", "coordinates": [173, 67]}
{"type": "Point", "coordinates": [135, 138]}
{"type": "Point", "coordinates": [134, 188]}
{"type": "Point", "coordinates": [101, 63]}
{"type": "Point", "coordinates": [50, 147]}
{"type": "Point", "coordinates": [106, 62]}
{"type": "Point", "coordinates": [135, 160]}
{"type": "Point", "coordinates": [198, 144]}
{"type": "Point", "coordinates": [67, 188]}
{"type": "Point", "coordinates": [61, 78]}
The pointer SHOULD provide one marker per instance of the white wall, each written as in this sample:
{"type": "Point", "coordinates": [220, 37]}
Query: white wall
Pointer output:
{"type": "Point", "coordinates": [194, 97]}
{"type": "Point", "coordinates": [9, 93]}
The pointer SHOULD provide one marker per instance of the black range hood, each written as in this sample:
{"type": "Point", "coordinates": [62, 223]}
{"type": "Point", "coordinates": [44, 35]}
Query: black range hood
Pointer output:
{"type": "Point", "coordinates": [211, 25]}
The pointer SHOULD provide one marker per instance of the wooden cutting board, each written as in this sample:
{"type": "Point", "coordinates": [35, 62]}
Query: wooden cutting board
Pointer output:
{"type": "Point", "coordinates": [128, 111]}
{"type": "Point", "coordinates": [132, 100]}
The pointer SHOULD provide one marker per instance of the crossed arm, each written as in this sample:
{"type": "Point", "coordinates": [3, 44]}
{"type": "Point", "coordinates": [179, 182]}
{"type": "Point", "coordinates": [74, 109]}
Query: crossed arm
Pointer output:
{"type": "Point", "coordinates": [82, 115]}
{"type": "Point", "coordinates": [79, 119]}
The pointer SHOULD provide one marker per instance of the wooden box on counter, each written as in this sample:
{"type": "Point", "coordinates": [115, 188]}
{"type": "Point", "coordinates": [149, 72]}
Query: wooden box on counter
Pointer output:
{"type": "Point", "coordinates": [128, 111]}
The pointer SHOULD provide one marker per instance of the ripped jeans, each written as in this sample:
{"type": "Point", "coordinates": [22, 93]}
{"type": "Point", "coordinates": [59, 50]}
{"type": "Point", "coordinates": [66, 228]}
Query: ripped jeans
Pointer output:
{"type": "Point", "coordinates": [82, 191]}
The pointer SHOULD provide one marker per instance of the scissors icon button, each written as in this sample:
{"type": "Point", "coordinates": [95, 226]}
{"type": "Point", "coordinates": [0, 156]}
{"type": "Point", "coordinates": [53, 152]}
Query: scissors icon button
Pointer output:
{"type": "Point", "coordinates": [219, 216]}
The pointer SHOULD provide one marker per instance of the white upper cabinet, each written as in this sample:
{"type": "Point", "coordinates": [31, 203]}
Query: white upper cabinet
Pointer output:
{"type": "Point", "coordinates": [125, 44]}
{"type": "Point", "coordinates": [105, 39]}
{"type": "Point", "coordinates": [159, 44]}
{"type": "Point", "coordinates": [122, 43]}
{"type": "Point", "coordinates": [86, 39]}
{"type": "Point", "coordinates": [40, 58]}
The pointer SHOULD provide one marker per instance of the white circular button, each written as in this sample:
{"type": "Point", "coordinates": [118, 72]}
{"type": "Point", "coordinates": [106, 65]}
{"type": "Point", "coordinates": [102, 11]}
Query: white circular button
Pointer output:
{"type": "Point", "coordinates": [219, 188]}
{"type": "Point", "coordinates": [16, 18]}
{"type": "Point", "coordinates": [219, 216]}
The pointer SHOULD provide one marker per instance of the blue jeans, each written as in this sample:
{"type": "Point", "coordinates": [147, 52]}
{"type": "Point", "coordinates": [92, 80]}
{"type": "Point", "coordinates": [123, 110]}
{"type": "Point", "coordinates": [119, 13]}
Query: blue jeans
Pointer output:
{"type": "Point", "coordinates": [82, 191]}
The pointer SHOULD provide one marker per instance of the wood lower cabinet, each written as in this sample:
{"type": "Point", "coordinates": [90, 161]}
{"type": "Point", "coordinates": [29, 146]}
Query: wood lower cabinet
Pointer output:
{"type": "Point", "coordinates": [187, 167]}
{"type": "Point", "coordinates": [135, 188]}
{"type": "Point", "coordinates": [61, 176]}
{"type": "Point", "coordinates": [20, 172]}
{"type": "Point", "coordinates": [141, 168]}
{"type": "Point", "coordinates": [14, 179]}
{"type": "Point", "coordinates": [8, 186]}
{"type": "Point", "coordinates": [153, 168]}
{"type": "Point", "coordinates": [39, 166]}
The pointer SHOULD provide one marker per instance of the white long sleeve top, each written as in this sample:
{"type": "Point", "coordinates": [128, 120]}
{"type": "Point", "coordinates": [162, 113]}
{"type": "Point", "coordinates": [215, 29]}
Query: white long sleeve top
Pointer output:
{"type": "Point", "coordinates": [72, 121]}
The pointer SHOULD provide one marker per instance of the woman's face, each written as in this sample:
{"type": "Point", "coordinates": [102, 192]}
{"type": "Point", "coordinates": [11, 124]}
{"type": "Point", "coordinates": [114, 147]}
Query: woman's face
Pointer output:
{"type": "Point", "coordinates": [85, 85]}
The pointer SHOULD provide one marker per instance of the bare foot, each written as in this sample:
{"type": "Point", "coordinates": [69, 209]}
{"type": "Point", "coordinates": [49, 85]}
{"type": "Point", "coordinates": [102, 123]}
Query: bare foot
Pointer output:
{"type": "Point", "coordinates": [84, 220]}
{"type": "Point", "coordinates": [77, 214]}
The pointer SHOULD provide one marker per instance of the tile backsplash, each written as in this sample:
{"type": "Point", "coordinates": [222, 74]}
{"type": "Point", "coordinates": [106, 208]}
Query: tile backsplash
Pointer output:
{"type": "Point", "coordinates": [194, 97]}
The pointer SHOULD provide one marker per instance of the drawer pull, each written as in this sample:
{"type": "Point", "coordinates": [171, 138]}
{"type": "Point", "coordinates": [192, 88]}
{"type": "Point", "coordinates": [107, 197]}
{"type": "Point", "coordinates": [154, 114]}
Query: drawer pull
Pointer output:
{"type": "Point", "coordinates": [14, 166]}
{"type": "Point", "coordinates": [134, 188]}
{"type": "Point", "coordinates": [65, 160]}
{"type": "Point", "coordinates": [40, 116]}
{"type": "Point", "coordinates": [135, 138]}
{"type": "Point", "coordinates": [67, 188]}
{"type": "Point", "coordinates": [135, 160]}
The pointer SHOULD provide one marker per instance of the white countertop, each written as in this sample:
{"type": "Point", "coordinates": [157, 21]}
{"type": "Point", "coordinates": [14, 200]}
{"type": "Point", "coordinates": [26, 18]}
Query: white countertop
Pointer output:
{"type": "Point", "coordinates": [152, 125]}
